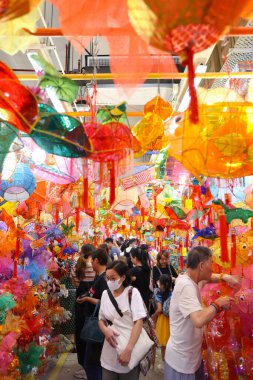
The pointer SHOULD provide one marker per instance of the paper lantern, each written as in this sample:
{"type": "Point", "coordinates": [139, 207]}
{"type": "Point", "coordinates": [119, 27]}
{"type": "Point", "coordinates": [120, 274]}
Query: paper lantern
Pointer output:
{"type": "Point", "coordinates": [221, 143]}
{"type": "Point", "coordinates": [184, 27]}
{"type": "Point", "coordinates": [20, 186]}
{"type": "Point", "coordinates": [60, 134]}
{"type": "Point", "coordinates": [9, 165]}
{"type": "Point", "coordinates": [158, 106]}
{"type": "Point", "coordinates": [18, 106]}
{"type": "Point", "coordinates": [176, 25]}
{"type": "Point", "coordinates": [125, 200]}
{"type": "Point", "coordinates": [129, 54]}
{"type": "Point", "coordinates": [149, 131]}
{"type": "Point", "coordinates": [111, 144]}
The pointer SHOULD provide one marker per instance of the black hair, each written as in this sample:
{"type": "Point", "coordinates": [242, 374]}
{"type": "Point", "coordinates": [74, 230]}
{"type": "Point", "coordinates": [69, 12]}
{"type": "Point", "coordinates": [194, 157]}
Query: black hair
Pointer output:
{"type": "Point", "coordinates": [101, 255]}
{"type": "Point", "coordinates": [141, 256]}
{"type": "Point", "coordinates": [131, 241]}
{"type": "Point", "coordinates": [105, 247]}
{"type": "Point", "coordinates": [166, 281]}
{"type": "Point", "coordinates": [87, 250]}
{"type": "Point", "coordinates": [109, 240]}
{"type": "Point", "coordinates": [197, 255]}
{"type": "Point", "coordinates": [121, 268]}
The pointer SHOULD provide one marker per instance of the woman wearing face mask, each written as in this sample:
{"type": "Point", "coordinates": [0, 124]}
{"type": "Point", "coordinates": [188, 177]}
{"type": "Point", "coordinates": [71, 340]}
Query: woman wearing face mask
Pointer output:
{"type": "Point", "coordinates": [118, 280]}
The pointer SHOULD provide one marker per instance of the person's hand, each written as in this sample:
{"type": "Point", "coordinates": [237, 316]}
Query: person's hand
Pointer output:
{"type": "Point", "coordinates": [232, 280]}
{"type": "Point", "coordinates": [224, 302]}
{"type": "Point", "coordinates": [125, 356]}
{"type": "Point", "coordinates": [111, 337]}
{"type": "Point", "coordinates": [81, 299]}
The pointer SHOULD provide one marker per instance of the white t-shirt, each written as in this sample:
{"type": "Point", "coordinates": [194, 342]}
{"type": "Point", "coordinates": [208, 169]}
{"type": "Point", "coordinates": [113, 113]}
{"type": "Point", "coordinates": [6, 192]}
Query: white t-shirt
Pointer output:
{"type": "Point", "coordinates": [183, 351]}
{"type": "Point", "coordinates": [108, 312]}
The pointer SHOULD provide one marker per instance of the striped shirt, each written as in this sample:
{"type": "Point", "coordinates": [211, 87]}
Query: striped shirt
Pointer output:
{"type": "Point", "coordinates": [89, 275]}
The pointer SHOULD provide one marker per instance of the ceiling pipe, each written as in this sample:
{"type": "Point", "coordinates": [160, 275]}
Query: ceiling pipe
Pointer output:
{"type": "Point", "coordinates": [57, 32]}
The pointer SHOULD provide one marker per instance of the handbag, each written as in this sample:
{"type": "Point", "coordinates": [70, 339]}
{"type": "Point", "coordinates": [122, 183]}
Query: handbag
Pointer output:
{"type": "Point", "coordinates": [91, 331]}
{"type": "Point", "coordinates": [141, 351]}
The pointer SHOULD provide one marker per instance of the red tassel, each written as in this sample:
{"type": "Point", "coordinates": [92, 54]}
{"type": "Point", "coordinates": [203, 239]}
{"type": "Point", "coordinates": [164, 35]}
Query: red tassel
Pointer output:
{"type": "Point", "coordinates": [85, 193]}
{"type": "Point", "coordinates": [142, 214]}
{"type": "Point", "coordinates": [16, 256]}
{"type": "Point", "coordinates": [85, 185]}
{"type": "Point", "coordinates": [223, 237]}
{"type": "Point", "coordinates": [193, 107]}
{"type": "Point", "coordinates": [112, 184]}
{"type": "Point", "coordinates": [77, 218]}
{"type": "Point", "coordinates": [57, 214]}
{"type": "Point", "coordinates": [181, 262]}
{"type": "Point", "coordinates": [155, 203]}
{"type": "Point", "coordinates": [233, 250]}
{"type": "Point", "coordinates": [197, 223]}
{"type": "Point", "coordinates": [209, 217]}
{"type": "Point", "coordinates": [187, 240]}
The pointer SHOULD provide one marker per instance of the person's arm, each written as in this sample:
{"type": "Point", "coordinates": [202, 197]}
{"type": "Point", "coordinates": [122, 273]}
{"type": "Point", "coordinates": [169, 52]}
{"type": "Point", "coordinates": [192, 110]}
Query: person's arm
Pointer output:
{"type": "Point", "coordinates": [91, 300]}
{"type": "Point", "coordinates": [173, 272]}
{"type": "Point", "coordinates": [158, 311]}
{"type": "Point", "coordinates": [125, 355]}
{"type": "Point", "coordinates": [155, 274]}
{"type": "Point", "coordinates": [110, 335]}
{"type": "Point", "coordinates": [232, 280]}
{"type": "Point", "coordinates": [201, 317]}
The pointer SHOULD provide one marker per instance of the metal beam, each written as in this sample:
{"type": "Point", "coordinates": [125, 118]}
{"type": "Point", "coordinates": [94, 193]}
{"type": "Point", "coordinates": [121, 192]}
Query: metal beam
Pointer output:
{"type": "Point", "coordinates": [57, 32]}
{"type": "Point", "coordinates": [90, 114]}
{"type": "Point", "coordinates": [88, 77]}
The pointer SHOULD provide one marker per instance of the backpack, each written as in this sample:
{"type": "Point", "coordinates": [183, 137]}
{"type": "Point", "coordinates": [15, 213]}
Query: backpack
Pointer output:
{"type": "Point", "coordinates": [166, 306]}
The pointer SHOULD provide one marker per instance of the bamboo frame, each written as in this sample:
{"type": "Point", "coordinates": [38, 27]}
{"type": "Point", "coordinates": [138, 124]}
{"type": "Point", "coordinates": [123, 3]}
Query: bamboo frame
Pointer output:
{"type": "Point", "coordinates": [88, 77]}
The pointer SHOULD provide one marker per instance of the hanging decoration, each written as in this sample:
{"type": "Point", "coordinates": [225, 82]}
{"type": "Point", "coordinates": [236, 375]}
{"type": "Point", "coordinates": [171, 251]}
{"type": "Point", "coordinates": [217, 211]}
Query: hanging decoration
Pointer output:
{"type": "Point", "coordinates": [64, 88]}
{"type": "Point", "coordinates": [184, 28]}
{"type": "Point", "coordinates": [158, 106]}
{"type": "Point", "coordinates": [20, 186]}
{"type": "Point", "coordinates": [111, 143]}
{"type": "Point", "coordinates": [220, 144]}
{"type": "Point", "coordinates": [149, 131]}
{"type": "Point", "coordinates": [18, 106]}
{"type": "Point", "coordinates": [15, 17]}
{"type": "Point", "coordinates": [60, 134]}
{"type": "Point", "coordinates": [131, 59]}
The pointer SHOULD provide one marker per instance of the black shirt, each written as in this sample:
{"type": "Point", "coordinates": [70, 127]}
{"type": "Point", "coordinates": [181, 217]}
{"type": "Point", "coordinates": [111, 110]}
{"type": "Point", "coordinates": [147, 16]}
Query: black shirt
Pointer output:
{"type": "Point", "coordinates": [97, 289]}
{"type": "Point", "coordinates": [158, 271]}
{"type": "Point", "coordinates": [142, 282]}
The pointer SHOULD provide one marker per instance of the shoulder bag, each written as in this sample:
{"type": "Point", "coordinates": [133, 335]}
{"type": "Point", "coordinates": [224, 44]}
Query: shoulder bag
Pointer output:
{"type": "Point", "coordinates": [123, 325]}
{"type": "Point", "coordinates": [91, 331]}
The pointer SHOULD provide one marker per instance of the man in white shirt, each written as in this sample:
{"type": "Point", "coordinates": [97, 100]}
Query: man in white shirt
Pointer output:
{"type": "Point", "coordinates": [183, 359]}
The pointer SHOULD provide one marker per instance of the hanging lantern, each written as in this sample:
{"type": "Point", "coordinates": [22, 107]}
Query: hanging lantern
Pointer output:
{"type": "Point", "coordinates": [158, 106]}
{"type": "Point", "coordinates": [9, 165]}
{"type": "Point", "coordinates": [221, 143]}
{"type": "Point", "coordinates": [20, 186]}
{"type": "Point", "coordinates": [184, 27]}
{"type": "Point", "coordinates": [59, 134]}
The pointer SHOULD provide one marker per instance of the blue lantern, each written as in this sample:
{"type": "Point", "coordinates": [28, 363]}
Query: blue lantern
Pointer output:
{"type": "Point", "coordinates": [20, 186]}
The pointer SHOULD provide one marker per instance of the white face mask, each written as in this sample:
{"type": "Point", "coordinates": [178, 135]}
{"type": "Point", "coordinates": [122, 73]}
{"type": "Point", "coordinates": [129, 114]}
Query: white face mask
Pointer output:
{"type": "Point", "coordinates": [114, 285]}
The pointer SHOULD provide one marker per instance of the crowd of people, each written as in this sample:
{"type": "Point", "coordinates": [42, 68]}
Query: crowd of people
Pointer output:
{"type": "Point", "coordinates": [123, 281]}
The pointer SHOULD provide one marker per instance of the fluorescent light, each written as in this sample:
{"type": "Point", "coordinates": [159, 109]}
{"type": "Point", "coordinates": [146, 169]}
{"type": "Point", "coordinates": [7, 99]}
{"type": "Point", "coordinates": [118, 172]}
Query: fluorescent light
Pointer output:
{"type": "Point", "coordinates": [186, 98]}
{"type": "Point", "coordinates": [50, 91]}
